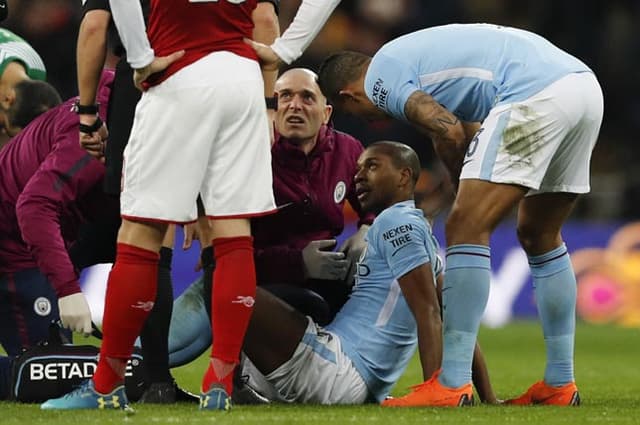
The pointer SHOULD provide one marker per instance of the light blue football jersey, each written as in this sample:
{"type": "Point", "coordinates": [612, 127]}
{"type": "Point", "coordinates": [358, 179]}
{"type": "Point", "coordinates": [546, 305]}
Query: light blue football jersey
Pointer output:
{"type": "Point", "coordinates": [468, 68]}
{"type": "Point", "coordinates": [376, 327]}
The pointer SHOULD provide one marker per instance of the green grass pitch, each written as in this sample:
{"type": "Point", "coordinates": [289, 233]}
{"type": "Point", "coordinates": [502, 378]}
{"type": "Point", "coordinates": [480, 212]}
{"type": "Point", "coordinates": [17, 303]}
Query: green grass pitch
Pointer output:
{"type": "Point", "coordinates": [607, 370]}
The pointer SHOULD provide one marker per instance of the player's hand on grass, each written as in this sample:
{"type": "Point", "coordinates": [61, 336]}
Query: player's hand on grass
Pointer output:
{"type": "Point", "coordinates": [322, 263]}
{"type": "Point", "coordinates": [75, 313]}
{"type": "Point", "coordinates": [160, 63]}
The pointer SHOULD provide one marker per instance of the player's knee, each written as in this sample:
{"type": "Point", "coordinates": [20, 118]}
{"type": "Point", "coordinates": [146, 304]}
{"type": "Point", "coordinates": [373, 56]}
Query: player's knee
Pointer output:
{"type": "Point", "coordinates": [535, 240]}
{"type": "Point", "coordinates": [463, 227]}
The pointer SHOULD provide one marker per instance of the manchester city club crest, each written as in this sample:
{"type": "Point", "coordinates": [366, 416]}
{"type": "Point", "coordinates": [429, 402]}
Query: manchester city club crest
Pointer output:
{"type": "Point", "coordinates": [339, 192]}
{"type": "Point", "coordinates": [42, 306]}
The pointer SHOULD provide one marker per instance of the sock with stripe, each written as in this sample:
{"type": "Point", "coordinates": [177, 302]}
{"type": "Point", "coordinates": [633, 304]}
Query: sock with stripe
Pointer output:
{"type": "Point", "coordinates": [555, 287]}
{"type": "Point", "coordinates": [232, 304]}
{"type": "Point", "coordinates": [131, 293]}
{"type": "Point", "coordinates": [464, 297]}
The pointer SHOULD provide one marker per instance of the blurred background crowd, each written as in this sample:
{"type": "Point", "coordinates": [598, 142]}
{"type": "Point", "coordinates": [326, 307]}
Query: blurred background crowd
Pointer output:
{"type": "Point", "coordinates": [603, 34]}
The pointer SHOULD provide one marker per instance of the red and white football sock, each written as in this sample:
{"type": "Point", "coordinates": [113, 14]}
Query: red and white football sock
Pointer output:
{"type": "Point", "coordinates": [131, 293]}
{"type": "Point", "coordinates": [233, 296]}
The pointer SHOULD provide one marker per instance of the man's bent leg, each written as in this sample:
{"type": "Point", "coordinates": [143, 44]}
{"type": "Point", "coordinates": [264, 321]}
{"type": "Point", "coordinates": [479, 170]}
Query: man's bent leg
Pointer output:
{"type": "Point", "coordinates": [190, 330]}
{"type": "Point", "coordinates": [274, 332]}
{"type": "Point", "coordinates": [478, 208]}
{"type": "Point", "coordinates": [540, 220]}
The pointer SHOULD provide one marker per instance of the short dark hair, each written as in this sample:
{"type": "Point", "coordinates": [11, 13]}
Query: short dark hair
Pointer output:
{"type": "Point", "coordinates": [338, 70]}
{"type": "Point", "coordinates": [402, 156]}
{"type": "Point", "coordinates": [33, 97]}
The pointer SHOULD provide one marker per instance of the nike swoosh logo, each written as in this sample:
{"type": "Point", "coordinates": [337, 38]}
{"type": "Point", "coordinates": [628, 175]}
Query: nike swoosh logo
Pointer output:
{"type": "Point", "coordinates": [465, 162]}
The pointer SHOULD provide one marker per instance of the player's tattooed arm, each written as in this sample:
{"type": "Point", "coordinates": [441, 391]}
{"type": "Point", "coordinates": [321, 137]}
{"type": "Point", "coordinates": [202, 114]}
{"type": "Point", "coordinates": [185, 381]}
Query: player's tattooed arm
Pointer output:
{"type": "Point", "coordinates": [446, 132]}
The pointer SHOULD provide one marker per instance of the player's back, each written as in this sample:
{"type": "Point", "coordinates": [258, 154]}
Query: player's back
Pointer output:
{"type": "Point", "coordinates": [199, 28]}
{"type": "Point", "coordinates": [469, 68]}
{"type": "Point", "coordinates": [19, 160]}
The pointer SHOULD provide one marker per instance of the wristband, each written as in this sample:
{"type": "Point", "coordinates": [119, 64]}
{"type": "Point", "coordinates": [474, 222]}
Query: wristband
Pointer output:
{"type": "Point", "coordinates": [89, 129]}
{"type": "Point", "coordinates": [272, 102]}
{"type": "Point", "coordinates": [85, 109]}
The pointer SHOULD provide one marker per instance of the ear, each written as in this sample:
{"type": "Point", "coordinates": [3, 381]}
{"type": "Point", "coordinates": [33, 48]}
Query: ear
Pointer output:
{"type": "Point", "coordinates": [405, 177]}
{"type": "Point", "coordinates": [328, 110]}
{"type": "Point", "coordinates": [7, 99]}
{"type": "Point", "coordinates": [347, 94]}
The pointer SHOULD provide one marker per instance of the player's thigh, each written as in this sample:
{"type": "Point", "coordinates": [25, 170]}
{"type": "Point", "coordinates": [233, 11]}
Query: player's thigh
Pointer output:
{"type": "Point", "coordinates": [516, 143]}
{"type": "Point", "coordinates": [319, 372]}
{"type": "Point", "coordinates": [28, 305]}
{"type": "Point", "coordinates": [478, 208]}
{"type": "Point", "coordinates": [238, 181]}
{"type": "Point", "coordinates": [274, 331]}
{"type": "Point", "coordinates": [579, 98]}
{"type": "Point", "coordinates": [166, 157]}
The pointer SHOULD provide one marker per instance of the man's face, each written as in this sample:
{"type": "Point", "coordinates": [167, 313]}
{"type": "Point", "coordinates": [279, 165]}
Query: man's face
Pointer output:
{"type": "Point", "coordinates": [376, 180]}
{"type": "Point", "coordinates": [302, 109]}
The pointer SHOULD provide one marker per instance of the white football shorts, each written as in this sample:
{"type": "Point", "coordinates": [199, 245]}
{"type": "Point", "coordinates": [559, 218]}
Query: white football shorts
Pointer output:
{"type": "Point", "coordinates": [204, 131]}
{"type": "Point", "coordinates": [319, 372]}
{"type": "Point", "coordinates": [544, 142]}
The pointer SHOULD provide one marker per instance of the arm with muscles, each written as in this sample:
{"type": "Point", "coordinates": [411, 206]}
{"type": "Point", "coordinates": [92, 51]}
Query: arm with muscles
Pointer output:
{"type": "Point", "coordinates": [64, 177]}
{"type": "Point", "coordinates": [266, 29]}
{"type": "Point", "coordinates": [127, 15]}
{"type": "Point", "coordinates": [480, 376]}
{"type": "Point", "coordinates": [90, 57]}
{"type": "Point", "coordinates": [309, 20]}
{"type": "Point", "coordinates": [420, 292]}
{"type": "Point", "coordinates": [445, 130]}
{"type": "Point", "coordinates": [412, 260]}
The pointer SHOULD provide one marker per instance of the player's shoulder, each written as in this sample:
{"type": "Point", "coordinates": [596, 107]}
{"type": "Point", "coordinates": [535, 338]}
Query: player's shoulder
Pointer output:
{"type": "Point", "coordinates": [399, 215]}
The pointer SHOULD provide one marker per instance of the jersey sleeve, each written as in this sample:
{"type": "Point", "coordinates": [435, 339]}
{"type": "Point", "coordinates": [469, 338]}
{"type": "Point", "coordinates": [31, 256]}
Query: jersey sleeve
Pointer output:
{"type": "Point", "coordinates": [309, 20]}
{"type": "Point", "coordinates": [402, 241]}
{"type": "Point", "coordinates": [129, 21]}
{"type": "Point", "coordinates": [389, 83]}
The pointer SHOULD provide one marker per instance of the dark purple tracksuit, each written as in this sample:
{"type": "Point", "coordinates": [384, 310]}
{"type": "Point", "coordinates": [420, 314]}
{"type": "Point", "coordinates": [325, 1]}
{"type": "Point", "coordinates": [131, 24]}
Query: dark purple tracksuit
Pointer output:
{"type": "Point", "coordinates": [310, 192]}
{"type": "Point", "coordinates": [49, 185]}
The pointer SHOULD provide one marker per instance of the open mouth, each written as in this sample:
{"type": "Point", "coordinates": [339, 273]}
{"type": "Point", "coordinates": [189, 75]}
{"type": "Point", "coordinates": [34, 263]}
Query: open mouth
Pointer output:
{"type": "Point", "coordinates": [361, 192]}
{"type": "Point", "coordinates": [295, 120]}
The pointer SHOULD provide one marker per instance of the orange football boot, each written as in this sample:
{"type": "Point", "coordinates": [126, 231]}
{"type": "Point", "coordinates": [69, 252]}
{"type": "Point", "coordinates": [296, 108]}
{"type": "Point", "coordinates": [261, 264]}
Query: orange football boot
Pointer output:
{"type": "Point", "coordinates": [433, 393]}
{"type": "Point", "coordinates": [541, 393]}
